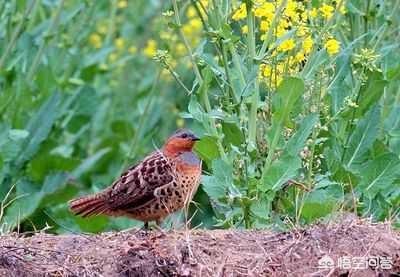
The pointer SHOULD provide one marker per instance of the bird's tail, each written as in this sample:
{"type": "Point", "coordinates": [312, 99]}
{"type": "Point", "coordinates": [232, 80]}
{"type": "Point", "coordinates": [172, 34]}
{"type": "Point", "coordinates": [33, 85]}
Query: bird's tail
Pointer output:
{"type": "Point", "coordinates": [89, 205]}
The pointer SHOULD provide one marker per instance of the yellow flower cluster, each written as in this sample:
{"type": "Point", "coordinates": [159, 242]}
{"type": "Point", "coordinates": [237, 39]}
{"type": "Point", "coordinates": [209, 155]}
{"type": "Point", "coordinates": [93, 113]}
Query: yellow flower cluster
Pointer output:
{"type": "Point", "coordinates": [332, 46]}
{"type": "Point", "coordinates": [289, 54]}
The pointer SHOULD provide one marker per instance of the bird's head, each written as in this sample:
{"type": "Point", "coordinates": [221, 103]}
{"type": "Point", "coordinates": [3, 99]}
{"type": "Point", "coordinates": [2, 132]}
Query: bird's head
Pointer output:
{"type": "Point", "coordinates": [182, 140]}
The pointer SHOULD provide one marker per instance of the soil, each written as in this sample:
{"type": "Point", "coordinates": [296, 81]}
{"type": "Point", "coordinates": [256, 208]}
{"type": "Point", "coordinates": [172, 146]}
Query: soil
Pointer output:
{"type": "Point", "coordinates": [207, 252]}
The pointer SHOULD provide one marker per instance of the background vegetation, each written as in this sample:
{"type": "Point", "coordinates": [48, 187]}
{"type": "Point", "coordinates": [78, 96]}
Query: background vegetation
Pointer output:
{"type": "Point", "coordinates": [297, 102]}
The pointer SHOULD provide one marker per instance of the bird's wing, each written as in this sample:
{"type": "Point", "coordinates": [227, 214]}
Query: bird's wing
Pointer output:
{"type": "Point", "coordinates": [136, 186]}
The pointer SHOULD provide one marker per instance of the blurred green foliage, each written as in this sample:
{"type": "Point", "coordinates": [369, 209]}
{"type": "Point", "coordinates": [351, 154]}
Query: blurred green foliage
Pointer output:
{"type": "Point", "coordinates": [81, 98]}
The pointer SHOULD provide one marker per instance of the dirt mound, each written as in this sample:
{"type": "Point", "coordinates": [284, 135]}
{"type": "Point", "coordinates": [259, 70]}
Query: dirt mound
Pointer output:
{"type": "Point", "coordinates": [351, 247]}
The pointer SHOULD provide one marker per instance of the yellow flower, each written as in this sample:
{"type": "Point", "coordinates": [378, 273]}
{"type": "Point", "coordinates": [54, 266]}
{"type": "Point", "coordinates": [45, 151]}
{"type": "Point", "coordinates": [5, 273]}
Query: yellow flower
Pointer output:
{"type": "Point", "coordinates": [280, 31]}
{"type": "Point", "coordinates": [327, 11]}
{"type": "Point", "coordinates": [290, 10]}
{"type": "Point", "coordinates": [191, 12]}
{"type": "Point", "coordinates": [266, 70]}
{"type": "Point", "coordinates": [180, 122]}
{"type": "Point", "coordinates": [287, 45]}
{"type": "Point", "coordinates": [132, 49]}
{"type": "Point", "coordinates": [196, 24]}
{"type": "Point", "coordinates": [102, 29]}
{"type": "Point", "coordinates": [308, 45]}
{"type": "Point", "coordinates": [95, 40]}
{"type": "Point", "coordinates": [300, 57]}
{"type": "Point", "coordinates": [302, 31]}
{"type": "Point", "coordinates": [342, 8]}
{"type": "Point", "coordinates": [122, 4]}
{"type": "Point", "coordinates": [264, 25]}
{"type": "Point", "coordinates": [332, 46]}
{"type": "Point", "coordinates": [112, 57]}
{"type": "Point", "coordinates": [180, 49]}
{"type": "Point", "coordinates": [265, 10]}
{"type": "Point", "coordinates": [151, 48]}
{"type": "Point", "coordinates": [119, 43]}
{"type": "Point", "coordinates": [245, 29]}
{"type": "Point", "coordinates": [314, 13]}
{"type": "Point", "coordinates": [240, 13]}
{"type": "Point", "coordinates": [165, 35]}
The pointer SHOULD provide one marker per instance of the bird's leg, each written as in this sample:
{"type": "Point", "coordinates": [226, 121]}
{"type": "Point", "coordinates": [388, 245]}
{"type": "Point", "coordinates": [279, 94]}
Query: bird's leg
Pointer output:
{"type": "Point", "coordinates": [146, 226]}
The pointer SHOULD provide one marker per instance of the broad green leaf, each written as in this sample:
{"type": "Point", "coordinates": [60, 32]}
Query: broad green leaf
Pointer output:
{"type": "Point", "coordinates": [378, 175]}
{"type": "Point", "coordinates": [39, 127]}
{"type": "Point", "coordinates": [232, 134]}
{"type": "Point", "coordinates": [288, 93]}
{"type": "Point", "coordinates": [321, 202]}
{"type": "Point", "coordinates": [17, 134]}
{"type": "Point", "coordinates": [281, 171]}
{"type": "Point", "coordinates": [54, 182]}
{"type": "Point", "coordinates": [297, 141]}
{"type": "Point", "coordinates": [371, 92]}
{"type": "Point", "coordinates": [216, 186]}
{"type": "Point", "coordinates": [207, 149]}
{"type": "Point", "coordinates": [392, 128]}
{"type": "Point", "coordinates": [196, 110]}
{"type": "Point", "coordinates": [362, 138]}
{"type": "Point", "coordinates": [88, 163]}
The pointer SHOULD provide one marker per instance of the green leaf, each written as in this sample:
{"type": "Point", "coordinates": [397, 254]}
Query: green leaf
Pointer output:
{"type": "Point", "coordinates": [371, 92]}
{"type": "Point", "coordinates": [362, 138]}
{"type": "Point", "coordinates": [297, 141]}
{"type": "Point", "coordinates": [207, 149]}
{"type": "Point", "coordinates": [288, 93]}
{"type": "Point", "coordinates": [392, 128]}
{"type": "Point", "coordinates": [321, 202]}
{"type": "Point", "coordinates": [39, 127]}
{"type": "Point", "coordinates": [196, 110]}
{"type": "Point", "coordinates": [54, 182]}
{"type": "Point", "coordinates": [88, 163]}
{"type": "Point", "coordinates": [232, 134]}
{"type": "Point", "coordinates": [216, 186]}
{"type": "Point", "coordinates": [17, 134]}
{"type": "Point", "coordinates": [281, 171]}
{"type": "Point", "coordinates": [378, 175]}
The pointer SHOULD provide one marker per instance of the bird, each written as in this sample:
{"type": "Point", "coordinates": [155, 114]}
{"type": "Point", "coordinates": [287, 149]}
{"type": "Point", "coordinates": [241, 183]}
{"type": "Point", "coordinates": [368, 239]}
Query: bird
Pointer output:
{"type": "Point", "coordinates": [163, 182]}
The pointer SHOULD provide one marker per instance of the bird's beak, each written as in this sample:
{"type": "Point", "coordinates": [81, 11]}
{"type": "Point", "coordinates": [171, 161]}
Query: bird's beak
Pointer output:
{"type": "Point", "coordinates": [194, 138]}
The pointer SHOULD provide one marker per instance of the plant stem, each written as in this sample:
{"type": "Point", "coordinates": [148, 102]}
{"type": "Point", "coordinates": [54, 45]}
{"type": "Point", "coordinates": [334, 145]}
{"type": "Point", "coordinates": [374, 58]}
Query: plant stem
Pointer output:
{"type": "Point", "coordinates": [231, 87]}
{"type": "Point", "coordinates": [42, 47]}
{"type": "Point", "coordinates": [186, 43]}
{"type": "Point", "coordinates": [256, 93]}
{"type": "Point", "coordinates": [111, 25]}
{"type": "Point", "coordinates": [16, 33]}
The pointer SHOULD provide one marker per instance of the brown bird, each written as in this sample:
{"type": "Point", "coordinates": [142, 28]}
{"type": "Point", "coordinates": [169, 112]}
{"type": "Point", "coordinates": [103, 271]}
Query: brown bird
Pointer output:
{"type": "Point", "coordinates": [162, 183]}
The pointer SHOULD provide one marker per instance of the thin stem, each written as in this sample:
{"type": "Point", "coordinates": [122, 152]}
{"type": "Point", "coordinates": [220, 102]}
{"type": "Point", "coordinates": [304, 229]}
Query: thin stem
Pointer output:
{"type": "Point", "coordinates": [237, 64]}
{"type": "Point", "coordinates": [111, 25]}
{"type": "Point", "coordinates": [256, 93]}
{"type": "Point", "coordinates": [366, 17]}
{"type": "Point", "coordinates": [186, 43]}
{"type": "Point", "coordinates": [230, 87]}
{"type": "Point", "coordinates": [42, 47]}
{"type": "Point", "coordinates": [17, 32]}
{"type": "Point", "coordinates": [314, 135]}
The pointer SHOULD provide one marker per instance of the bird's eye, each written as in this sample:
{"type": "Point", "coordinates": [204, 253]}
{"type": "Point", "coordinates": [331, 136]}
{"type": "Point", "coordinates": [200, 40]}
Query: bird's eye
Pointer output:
{"type": "Point", "coordinates": [184, 136]}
